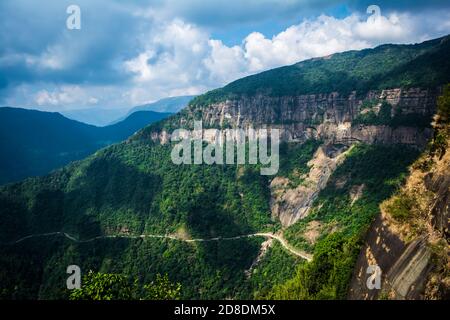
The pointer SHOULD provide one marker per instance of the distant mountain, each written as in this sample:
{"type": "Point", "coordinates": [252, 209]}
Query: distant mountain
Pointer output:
{"type": "Point", "coordinates": [171, 105]}
{"type": "Point", "coordinates": [132, 123]}
{"type": "Point", "coordinates": [96, 116]}
{"type": "Point", "coordinates": [34, 142]}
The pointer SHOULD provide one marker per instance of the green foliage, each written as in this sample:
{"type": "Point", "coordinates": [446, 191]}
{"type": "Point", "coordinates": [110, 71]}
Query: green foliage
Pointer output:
{"type": "Point", "coordinates": [439, 143]}
{"type": "Point", "coordinates": [327, 276]}
{"type": "Point", "coordinates": [37, 142]}
{"type": "Point", "coordinates": [133, 188]}
{"type": "Point", "coordinates": [370, 117]}
{"type": "Point", "coordinates": [103, 286]}
{"type": "Point", "coordinates": [162, 289]}
{"type": "Point", "coordinates": [275, 267]}
{"type": "Point", "coordinates": [294, 159]}
{"type": "Point", "coordinates": [384, 116]}
{"type": "Point", "coordinates": [378, 170]}
{"type": "Point", "coordinates": [443, 109]}
{"type": "Point", "coordinates": [381, 169]}
{"type": "Point", "coordinates": [111, 286]}
{"type": "Point", "coordinates": [400, 206]}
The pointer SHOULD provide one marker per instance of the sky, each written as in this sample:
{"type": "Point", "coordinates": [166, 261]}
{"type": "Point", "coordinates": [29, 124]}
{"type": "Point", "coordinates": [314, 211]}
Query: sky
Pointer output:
{"type": "Point", "coordinates": [128, 53]}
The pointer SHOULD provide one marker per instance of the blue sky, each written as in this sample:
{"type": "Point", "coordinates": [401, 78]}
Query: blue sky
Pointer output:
{"type": "Point", "coordinates": [133, 52]}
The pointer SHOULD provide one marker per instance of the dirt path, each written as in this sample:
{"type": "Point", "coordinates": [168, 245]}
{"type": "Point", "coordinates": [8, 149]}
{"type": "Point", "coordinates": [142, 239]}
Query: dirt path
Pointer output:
{"type": "Point", "coordinates": [276, 237]}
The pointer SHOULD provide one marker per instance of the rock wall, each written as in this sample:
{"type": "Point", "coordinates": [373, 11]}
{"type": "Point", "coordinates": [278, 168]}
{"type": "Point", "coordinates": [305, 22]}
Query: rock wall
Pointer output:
{"type": "Point", "coordinates": [404, 267]}
{"type": "Point", "coordinates": [402, 248]}
{"type": "Point", "coordinates": [323, 116]}
{"type": "Point", "coordinates": [311, 110]}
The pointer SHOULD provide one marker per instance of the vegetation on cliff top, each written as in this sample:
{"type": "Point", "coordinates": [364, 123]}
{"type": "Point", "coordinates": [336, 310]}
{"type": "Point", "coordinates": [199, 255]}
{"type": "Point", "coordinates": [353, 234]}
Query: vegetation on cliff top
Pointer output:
{"type": "Point", "coordinates": [387, 66]}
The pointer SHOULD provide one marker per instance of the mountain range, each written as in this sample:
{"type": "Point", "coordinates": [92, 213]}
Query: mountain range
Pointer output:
{"type": "Point", "coordinates": [95, 116]}
{"type": "Point", "coordinates": [104, 117]}
{"type": "Point", "coordinates": [35, 142]}
{"type": "Point", "coordinates": [352, 124]}
{"type": "Point", "coordinates": [166, 105]}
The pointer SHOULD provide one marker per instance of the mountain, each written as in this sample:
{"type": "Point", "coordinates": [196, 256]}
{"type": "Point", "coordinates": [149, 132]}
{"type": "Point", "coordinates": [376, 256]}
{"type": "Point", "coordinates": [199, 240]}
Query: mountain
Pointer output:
{"type": "Point", "coordinates": [171, 105]}
{"type": "Point", "coordinates": [35, 142]}
{"type": "Point", "coordinates": [168, 105]}
{"type": "Point", "coordinates": [386, 66]}
{"type": "Point", "coordinates": [96, 116]}
{"type": "Point", "coordinates": [351, 125]}
{"type": "Point", "coordinates": [131, 124]}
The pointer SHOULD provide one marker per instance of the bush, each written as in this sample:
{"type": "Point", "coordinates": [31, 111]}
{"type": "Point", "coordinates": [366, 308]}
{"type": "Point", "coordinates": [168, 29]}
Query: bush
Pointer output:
{"type": "Point", "coordinates": [399, 207]}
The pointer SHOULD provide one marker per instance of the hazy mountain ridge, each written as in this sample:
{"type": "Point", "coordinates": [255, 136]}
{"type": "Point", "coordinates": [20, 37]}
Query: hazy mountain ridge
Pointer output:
{"type": "Point", "coordinates": [96, 116]}
{"type": "Point", "coordinates": [166, 105]}
{"type": "Point", "coordinates": [36, 142]}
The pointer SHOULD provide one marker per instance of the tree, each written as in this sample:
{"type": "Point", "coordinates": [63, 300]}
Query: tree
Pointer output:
{"type": "Point", "coordinates": [103, 286]}
{"type": "Point", "coordinates": [162, 289]}
{"type": "Point", "coordinates": [111, 286]}
{"type": "Point", "coordinates": [441, 124]}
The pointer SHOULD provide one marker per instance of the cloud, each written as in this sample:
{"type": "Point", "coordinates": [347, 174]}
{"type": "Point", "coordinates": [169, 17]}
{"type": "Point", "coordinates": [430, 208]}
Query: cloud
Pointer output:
{"type": "Point", "coordinates": [37, 46]}
{"type": "Point", "coordinates": [223, 13]}
{"type": "Point", "coordinates": [64, 96]}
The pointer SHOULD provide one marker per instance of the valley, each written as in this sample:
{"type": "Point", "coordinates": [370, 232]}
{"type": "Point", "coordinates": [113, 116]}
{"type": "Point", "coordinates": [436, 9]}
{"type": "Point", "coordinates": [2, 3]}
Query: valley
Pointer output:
{"type": "Point", "coordinates": [350, 131]}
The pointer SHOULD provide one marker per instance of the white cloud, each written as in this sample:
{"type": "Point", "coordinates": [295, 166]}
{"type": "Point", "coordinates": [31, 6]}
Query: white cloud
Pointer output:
{"type": "Point", "coordinates": [380, 28]}
{"type": "Point", "coordinates": [224, 63]}
{"type": "Point", "coordinates": [168, 56]}
{"type": "Point", "coordinates": [64, 96]}
{"type": "Point", "coordinates": [171, 62]}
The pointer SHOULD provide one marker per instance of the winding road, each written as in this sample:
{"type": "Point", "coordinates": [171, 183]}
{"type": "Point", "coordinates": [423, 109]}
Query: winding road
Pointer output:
{"type": "Point", "coordinates": [276, 237]}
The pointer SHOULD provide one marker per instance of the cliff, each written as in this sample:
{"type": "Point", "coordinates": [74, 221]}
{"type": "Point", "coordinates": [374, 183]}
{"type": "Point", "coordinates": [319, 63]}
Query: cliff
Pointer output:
{"type": "Point", "coordinates": [329, 117]}
{"type": "Point", "coordinates": [410, 240]}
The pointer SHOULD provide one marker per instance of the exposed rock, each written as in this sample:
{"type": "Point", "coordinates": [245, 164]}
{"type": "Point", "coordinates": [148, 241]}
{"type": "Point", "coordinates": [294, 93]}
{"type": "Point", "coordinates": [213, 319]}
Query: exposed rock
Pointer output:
{"type": "Point", "coordinates": [404, 268]}
{"type": "Point", "coordinates": [356, 192]}
{"type": "Point", "coordinates": [402, 248]}
{"type": "Point", "coordinates": [323, 116]}
{"type": "Point", "coordinates": [262, 252]}
{"type": "Point", "coordinates": [313, 231]}
{"type": "Point", "coordinates": [439, 183]}
{"type": "Point", "coordinates": [407, 277]}
{"type": "Point", "coordinates": [291, 204]}
{"type": "Point", "coordinates": [382, 248]}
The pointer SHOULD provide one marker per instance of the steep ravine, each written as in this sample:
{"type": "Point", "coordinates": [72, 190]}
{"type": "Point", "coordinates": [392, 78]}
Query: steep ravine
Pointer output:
{"type": "Point", "coordinates": [331, 118]}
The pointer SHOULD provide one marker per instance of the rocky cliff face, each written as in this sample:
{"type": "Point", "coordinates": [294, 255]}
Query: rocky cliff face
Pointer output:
{"type": "Point", "coordinates": [329, 117]}
{"type": "Point", "coordinates": [312, 110]}
{"type": "Point", "coordinates": [403, 266]}
{"type": "Point", "coordinates": [413, 252]}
